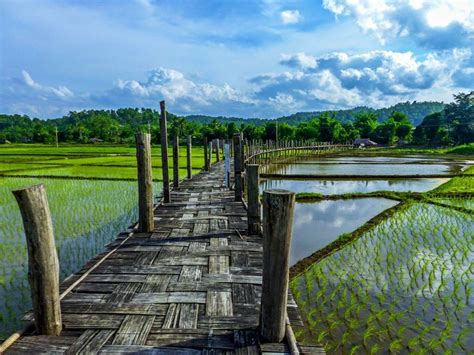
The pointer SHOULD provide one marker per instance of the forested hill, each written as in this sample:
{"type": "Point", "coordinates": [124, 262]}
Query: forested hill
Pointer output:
{"type": "Point", "coordinates": [415, 111]}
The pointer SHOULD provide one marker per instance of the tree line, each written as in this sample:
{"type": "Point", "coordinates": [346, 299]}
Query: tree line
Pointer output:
{"type": "Point", "coordinates": [451, 126]}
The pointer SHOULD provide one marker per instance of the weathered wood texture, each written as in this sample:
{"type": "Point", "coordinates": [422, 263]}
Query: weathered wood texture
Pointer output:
{"type": "Point", "coordinates": [189, 156]}
{"type": "Point", "coordinates": [192, 286]}
{"type": "Point", "coordinates": [278, 206]}
{"type": "Point", "coordinates": [206, 155]}
{"type": "Point", "coordinates": [253, 211]}
{"type": "Point", "coordinates": [175, 161]}
{"type": "Point", "coordinates": [145, 182]}
{"type": "Point", "coordinates": [43, 265]}
{"type": "Point", "coordinates": [164, 153]}
{"type": "Point", "coordinates": [238, 161]}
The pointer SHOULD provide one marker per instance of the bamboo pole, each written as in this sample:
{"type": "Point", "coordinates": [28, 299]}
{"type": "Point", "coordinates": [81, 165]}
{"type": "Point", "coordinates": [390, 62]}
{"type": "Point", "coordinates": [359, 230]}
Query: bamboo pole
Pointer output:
{"type": "Point", "coordinates": [43, 265]}
{"type": "Point", "coordinates": [145, 182]}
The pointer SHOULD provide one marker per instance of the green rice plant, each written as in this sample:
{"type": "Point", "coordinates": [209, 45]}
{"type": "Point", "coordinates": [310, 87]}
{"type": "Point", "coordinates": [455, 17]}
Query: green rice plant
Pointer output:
{"type": "Point", "coordinates": [86, 216]}
{"type": "Point", "coordinates": [409, 283]}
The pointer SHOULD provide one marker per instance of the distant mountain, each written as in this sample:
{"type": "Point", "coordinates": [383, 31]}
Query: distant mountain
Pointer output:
{"type": "Point", "coordinates": [415, 111]}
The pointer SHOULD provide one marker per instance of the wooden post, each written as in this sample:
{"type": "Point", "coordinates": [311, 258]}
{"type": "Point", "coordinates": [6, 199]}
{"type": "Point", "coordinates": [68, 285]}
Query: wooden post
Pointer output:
{"type": "Point", "coordinates": [176, 161]}
{"type": "Point", "coordinates": [253, 211]}
{"type": "Point", "coordinates": [145, 182]}
{"type": "Point", "coordinates": [227, 165]}
{"type": "Point", "coordinates": [237, 166]}
{"type": "Point", "coordinates": [217, 150]}
{"type": "Point", "coordinates": [189, 156]}
{"type": "Point", "coordinates": [278, 206]}
{"type": "Point", "coordinates": [164, 154]}
{"type": "Point", "coordinates": [206, 155]}
{"type": "Point", "coordinates": [43, 265]}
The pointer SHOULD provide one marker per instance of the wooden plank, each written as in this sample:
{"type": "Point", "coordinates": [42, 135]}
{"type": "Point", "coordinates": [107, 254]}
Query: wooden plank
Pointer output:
{"type": "Point", "coordinates": [90, 342]}
{"type": "Point", "coordinates": [219, 303]}
{"type": "Point", "coordinates": [134, 330]}
{"type": "Point", "coordinates": [169, 297]}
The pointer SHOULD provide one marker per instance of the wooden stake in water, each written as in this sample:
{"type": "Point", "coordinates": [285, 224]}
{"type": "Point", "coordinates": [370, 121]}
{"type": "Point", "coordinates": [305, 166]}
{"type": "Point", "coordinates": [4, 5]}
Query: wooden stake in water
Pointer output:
{"type": "Point", "coordinates": [164, 154]}
{"type": "Point", "coordinates": [206, 155]}
{"type": "Point", "coordinates": [145, 182]}
{"type": "Point", "coordinates": [43, 265]}
{"type": "Point", "coordinates": [278, 206]}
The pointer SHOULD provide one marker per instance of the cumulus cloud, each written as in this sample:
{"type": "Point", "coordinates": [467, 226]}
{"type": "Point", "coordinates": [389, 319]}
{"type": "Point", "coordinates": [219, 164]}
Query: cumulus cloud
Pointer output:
{"type": "Point", "coordinates": [289, 17]}
{"type": "Point", "coordinates": [375, 78]}
{"type": "Point", "coordinates": [334, 81]}
{"type": "Point", "coordinates": [26, 96]}
{"type": "Point", "coordinates": [436, 24]}
{"type": "Point", "coordinates": [184, 94]}
{"type": "Point", "coordinates": [299, 60]}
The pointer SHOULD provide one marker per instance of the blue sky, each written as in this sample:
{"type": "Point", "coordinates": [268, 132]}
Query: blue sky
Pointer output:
{"type": "Point", "coordinates": [253, 58]}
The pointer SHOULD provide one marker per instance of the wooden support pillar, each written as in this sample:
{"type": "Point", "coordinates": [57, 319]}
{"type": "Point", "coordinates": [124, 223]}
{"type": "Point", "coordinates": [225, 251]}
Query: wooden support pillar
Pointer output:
{"type": "Point", "coordinates": [206, 155]}
{"type": "Point", "coordinates": [253, 211]}
{"type": "Point", "coordinates": [278, 206]}
{"type": "Point", "coordinates": [237, 166]}
{"type": "Point", "coordinates": [217, 150]}
{"type": "Point", "coordinates": [43, 265]}
{"type": "Point", "coordinates": [227, 165]}
{"type": "Point", "coordinates": [189, 156]}
{"type": "Point", "coordinates": [176, 161]}
{"type": "Point", "coordinates": [164, 154]}
{"type": "Point", "coordinates": [145, 182]}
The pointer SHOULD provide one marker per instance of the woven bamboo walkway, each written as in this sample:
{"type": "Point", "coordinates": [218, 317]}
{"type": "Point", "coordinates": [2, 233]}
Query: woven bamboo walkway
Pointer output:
{"type": "Point", "coordinates": [193, 286]}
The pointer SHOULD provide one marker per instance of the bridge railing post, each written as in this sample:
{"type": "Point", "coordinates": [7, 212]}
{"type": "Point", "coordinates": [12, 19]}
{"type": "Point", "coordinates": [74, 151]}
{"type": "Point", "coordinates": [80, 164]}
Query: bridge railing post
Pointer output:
{"type": "Point", "coordinates": [164, 153]}
{"type": "Point", "coordinates": [43, 265]}
{"type": "Point", "coordinates": [278, 206]}
{"type": "Point", "coordinates": [238, 161]}
{"type": "Point", "coordinates": [189, 156]}
{"type": "Point", "coordinates": [206, 155]}
{"type": "Point", "coordinates": [145, 182]}
{"type": "Point", "coordinates": [216, 146]}
{"type": "Point", "coordinates": [253, 210]}
{"type": "Point", "coordinates": [175, 161]}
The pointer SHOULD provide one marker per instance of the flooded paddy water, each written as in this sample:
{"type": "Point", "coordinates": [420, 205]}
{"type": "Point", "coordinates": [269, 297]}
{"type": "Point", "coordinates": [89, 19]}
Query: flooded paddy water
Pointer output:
{"type": "Point", "coordinates": [404, 285]}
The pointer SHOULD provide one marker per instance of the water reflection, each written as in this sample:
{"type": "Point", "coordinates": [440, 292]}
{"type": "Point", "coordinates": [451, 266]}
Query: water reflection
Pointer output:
{"type": "Point", "coordinates": [317, 224]}
{"type": "Point", "coordinates": [333, 187]}
{"type": "Point", "coordinates": [363, 169]}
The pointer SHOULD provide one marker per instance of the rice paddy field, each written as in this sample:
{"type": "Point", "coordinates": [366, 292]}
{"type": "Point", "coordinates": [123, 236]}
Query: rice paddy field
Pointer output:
{"type": "Point", "coordinates": [384, 276]}
{"type": "Point", "coordinates": [92, 197]}
{"type": "Point", "coordinates": [369, 274]}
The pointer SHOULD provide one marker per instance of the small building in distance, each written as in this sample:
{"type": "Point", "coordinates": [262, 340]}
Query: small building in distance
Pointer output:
{"type": "Point", "coordinates": [364, 142]}
{"type": "Point", "coordinates": [96, 140]}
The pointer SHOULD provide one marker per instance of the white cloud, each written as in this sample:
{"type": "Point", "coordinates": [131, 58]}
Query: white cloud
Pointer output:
{"type": "Point", "coordinates": [289, 17]}
{"type": "Point", "coordinates": [334, 81]}
{"type": "Point", "coordinates": [438, 24]}
{"type": "Point", "coordinates": [60, 91]}
{"type": "Point", "coordinates": [300, 60]}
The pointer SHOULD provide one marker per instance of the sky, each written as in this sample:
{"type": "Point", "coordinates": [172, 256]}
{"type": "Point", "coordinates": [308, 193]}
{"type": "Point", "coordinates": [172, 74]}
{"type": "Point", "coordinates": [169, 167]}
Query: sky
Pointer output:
{"type": "Point", "coordinates": [247, 58]}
